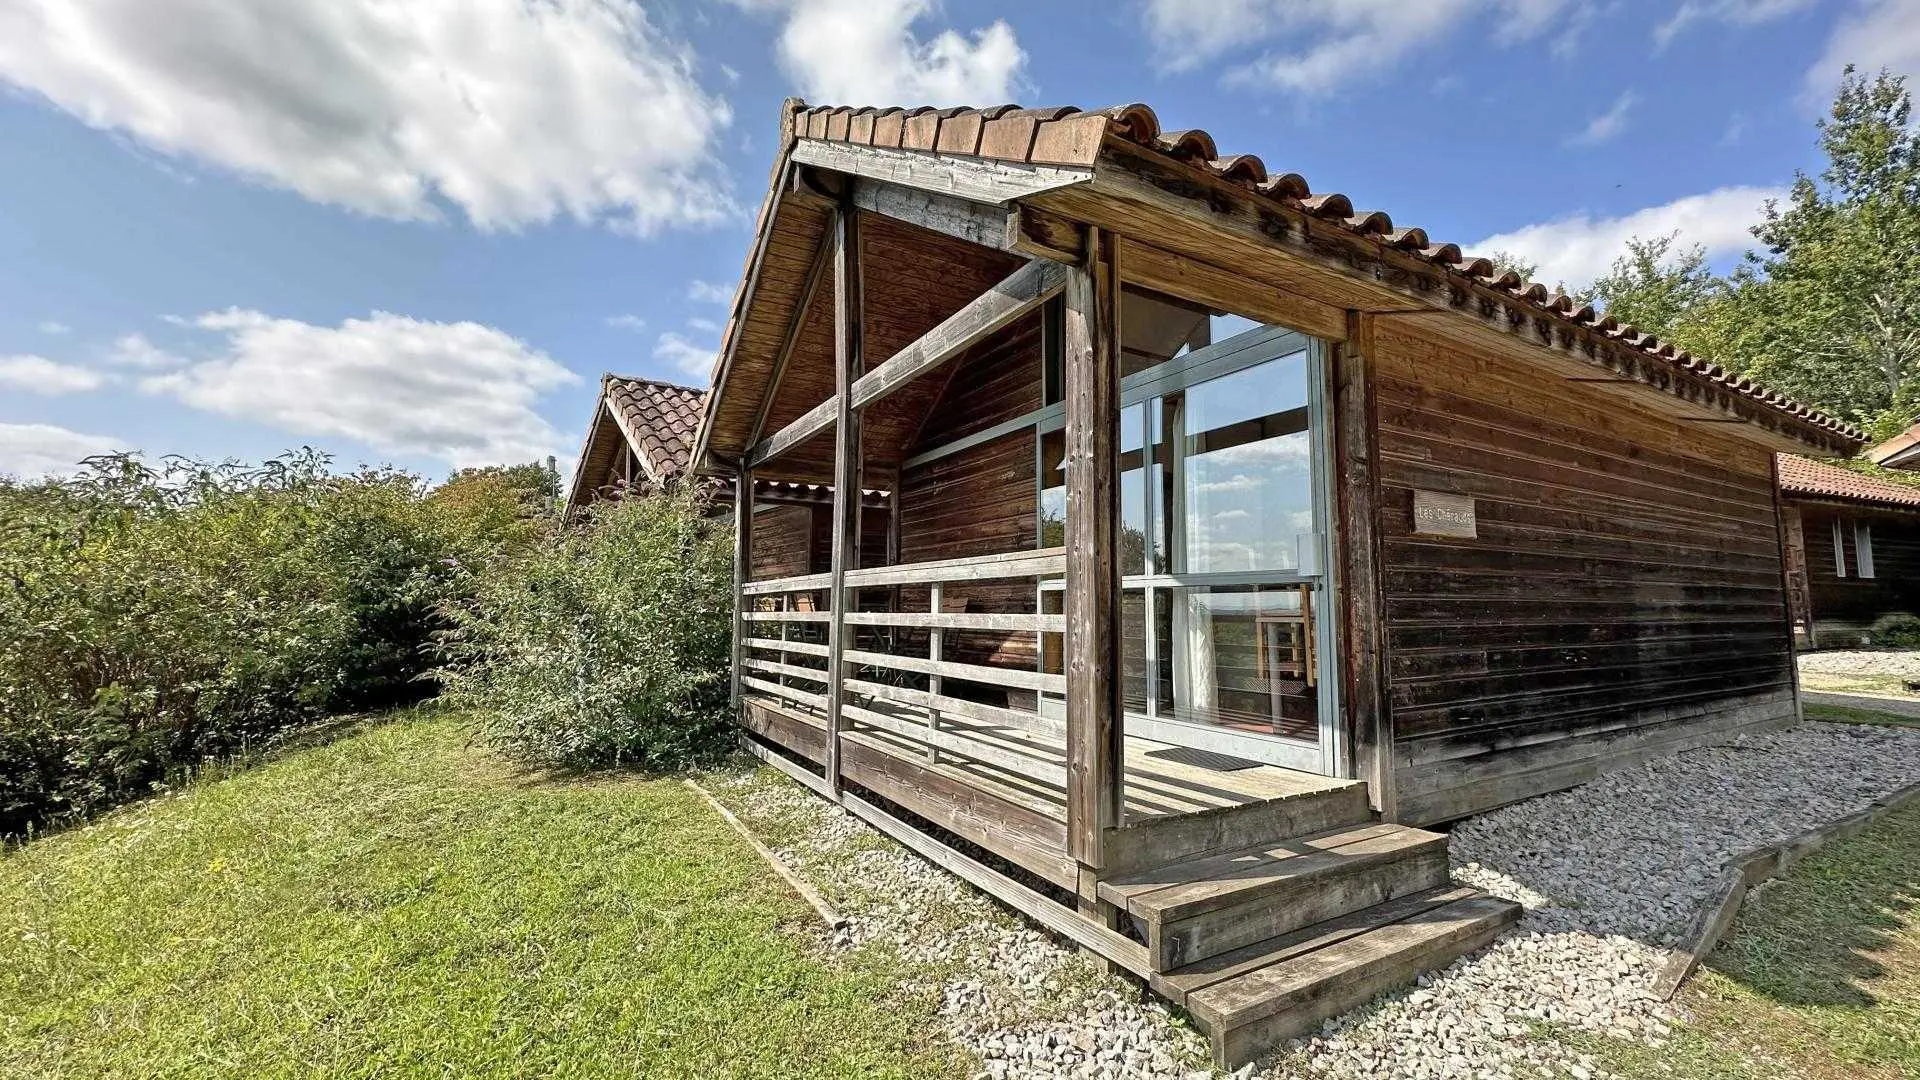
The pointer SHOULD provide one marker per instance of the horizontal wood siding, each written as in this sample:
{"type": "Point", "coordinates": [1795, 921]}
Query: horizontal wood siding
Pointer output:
{"type": "Point", "coordinates": [1623, 596]}
{"type": "Point", "coordinates": [982, 500]}
{"type": "Point", "coordinates": [782, 542]}
{"type": "Point", "coordinates": [1845, 609]}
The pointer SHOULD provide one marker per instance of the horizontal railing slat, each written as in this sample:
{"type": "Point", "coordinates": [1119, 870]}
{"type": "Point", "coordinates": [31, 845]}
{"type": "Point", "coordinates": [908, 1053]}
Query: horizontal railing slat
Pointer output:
{"type": "Point", "coordinates": [1033, 723]}
{"type": "Point", "coordinates": [804, 648]}
{"type": "Point", "coordinates": [801, 583]}
{"type": "Point", "coordinates": [956, 741]}
{"type": "Point", "coordinates": [802, 697]}
{"type": "Point", "coordinates": [787, 616]}
{"type": "Point", "coordinates": [954, 620]}
{"type": "Point", "coordinates": [1014, 677]}
{"type": "Point", "coordinates": [775, 667]}
{"type": "Point", "coordinates": [977, 568]}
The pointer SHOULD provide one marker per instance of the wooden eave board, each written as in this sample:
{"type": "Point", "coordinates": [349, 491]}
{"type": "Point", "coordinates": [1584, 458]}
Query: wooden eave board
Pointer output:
{"type": "Point", "coordinates": [797, 227]}
{"type": "Point", "coordinates": [1144, 196]}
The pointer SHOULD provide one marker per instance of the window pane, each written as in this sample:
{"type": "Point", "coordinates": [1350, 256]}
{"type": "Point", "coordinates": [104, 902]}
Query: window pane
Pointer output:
{"type": "Point", "coordinates": [1246, 484]}
{"type": "Point", "coordinates": [1053, 489]}
{"type": "Point", "coordinates": [1245, 657]}
{"type": "Point", "coordinates": [1133, 490]}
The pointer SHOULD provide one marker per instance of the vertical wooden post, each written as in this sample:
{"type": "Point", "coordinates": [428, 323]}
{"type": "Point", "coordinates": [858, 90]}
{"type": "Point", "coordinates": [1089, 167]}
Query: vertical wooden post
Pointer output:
{"type": "Point", "coordinates": [742, 570]}
{"type": "Point", "coordinates": [936, 651]}
{"type": "Point", "coordinates": [1790, 561]}
{"type": "Point", "coordinates": [1095, 747]}
{"type": "Point", "coordinates": [847, 349]}
{"type": "Point", "coordinates": [1356, 432]}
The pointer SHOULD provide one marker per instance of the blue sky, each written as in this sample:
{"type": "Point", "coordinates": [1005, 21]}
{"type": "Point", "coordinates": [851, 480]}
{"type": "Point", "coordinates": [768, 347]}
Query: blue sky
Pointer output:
{"type": "Point", "coordinates": [418, 236]}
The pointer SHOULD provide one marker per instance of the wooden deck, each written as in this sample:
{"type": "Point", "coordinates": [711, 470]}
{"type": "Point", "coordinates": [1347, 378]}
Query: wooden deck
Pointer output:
{"type": "Point", "coordinates": [1015, 805]}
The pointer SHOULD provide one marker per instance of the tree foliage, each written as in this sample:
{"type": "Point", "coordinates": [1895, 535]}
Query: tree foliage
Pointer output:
{"type": "Point", "coordinates": [154, 616]}
{"type": "Point", "coordinates": [1828, 311]}
{"type": "Point", "coordinates": [608, 644]}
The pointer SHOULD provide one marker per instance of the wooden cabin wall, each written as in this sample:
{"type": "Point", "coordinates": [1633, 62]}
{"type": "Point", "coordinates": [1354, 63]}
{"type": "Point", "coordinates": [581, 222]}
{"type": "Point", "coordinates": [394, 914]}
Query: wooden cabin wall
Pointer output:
{"type": "Point", "coordinates": [1845, 609]}
{"type": "Point", "coordinates": [982, 500]}
{"type": "Point", "coordinates": [1623, 597]}
{"type": "Point", "coordinates": [783, 541]}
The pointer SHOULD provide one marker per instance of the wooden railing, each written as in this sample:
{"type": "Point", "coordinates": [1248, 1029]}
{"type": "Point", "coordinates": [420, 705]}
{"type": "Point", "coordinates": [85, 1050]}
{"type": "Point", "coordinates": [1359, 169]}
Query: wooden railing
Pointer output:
{"type": "Point", "coordinates": [907, 694]}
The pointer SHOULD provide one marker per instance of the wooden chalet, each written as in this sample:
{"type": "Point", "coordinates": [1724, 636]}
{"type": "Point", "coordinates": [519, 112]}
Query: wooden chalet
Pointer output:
{"type": "Point", "coordinates": [1853, 551]}
{"type": "Point", "coordinates": [640, 441]}
{"type": "Point", "coordinates": [1232, 534]}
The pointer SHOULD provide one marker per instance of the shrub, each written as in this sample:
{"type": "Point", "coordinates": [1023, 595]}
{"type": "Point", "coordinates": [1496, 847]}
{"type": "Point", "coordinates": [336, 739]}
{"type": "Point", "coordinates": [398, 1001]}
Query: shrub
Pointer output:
{"type": "Point", "coordinates": [153, 617]}
{"type": "Point", "coordinates": [1895, 632]}
{"type": "Point", "coordinates": [607, 644]}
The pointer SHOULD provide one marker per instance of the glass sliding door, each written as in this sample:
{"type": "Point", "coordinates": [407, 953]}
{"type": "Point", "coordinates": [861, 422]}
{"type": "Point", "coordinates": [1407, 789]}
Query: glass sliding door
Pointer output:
{"type": "Point", "coordinates": [1224, 503]}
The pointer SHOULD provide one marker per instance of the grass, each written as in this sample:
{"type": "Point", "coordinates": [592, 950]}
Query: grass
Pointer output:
{"type": "Point", "coordinates": [1846, 715]}
{"type": "Point", "coordinates": [402, 903]}
{"type": "Point", "coordinates": [1820, 977]}
{"type": "Point", "coordinates": [1892, 685]}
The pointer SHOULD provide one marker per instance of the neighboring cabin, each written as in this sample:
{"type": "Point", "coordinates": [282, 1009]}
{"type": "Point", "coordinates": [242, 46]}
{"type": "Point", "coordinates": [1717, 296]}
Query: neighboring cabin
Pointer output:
{"type": "Point", "coordinates": [640, 440]}
{"type": "Point", "coordinates": [1230, 532]}
{"type": "Point", "coordinates": [1853, 551]}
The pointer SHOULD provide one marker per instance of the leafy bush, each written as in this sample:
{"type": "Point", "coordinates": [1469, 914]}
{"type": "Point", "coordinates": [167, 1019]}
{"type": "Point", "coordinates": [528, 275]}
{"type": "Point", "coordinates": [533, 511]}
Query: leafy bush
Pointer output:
{"type": "Point", "coordinates": [153, 617]}
{"type": "Point", "coordinates": [1895, 632]}
{"type": "Point", "coordinates": [608, 644]}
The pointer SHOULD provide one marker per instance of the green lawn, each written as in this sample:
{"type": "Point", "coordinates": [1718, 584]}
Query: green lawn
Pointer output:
{"type": "Point", "coordinates": [402, 903]}
{"type": "Point", "coordinates": [1820, 977]}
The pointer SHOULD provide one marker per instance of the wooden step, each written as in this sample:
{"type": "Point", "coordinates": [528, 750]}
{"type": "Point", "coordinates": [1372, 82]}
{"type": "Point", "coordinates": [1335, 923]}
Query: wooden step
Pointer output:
{"type": "Point", "coordinates": [1204, 907]}
{"type": "Point", "coordinates": [1252, 999]}
{"type": "Point", "coordinates": [1144, 844]}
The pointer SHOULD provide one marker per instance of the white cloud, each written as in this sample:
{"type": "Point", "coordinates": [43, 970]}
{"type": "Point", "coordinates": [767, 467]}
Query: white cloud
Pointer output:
{"type": "Point", "coordinates": [1579, 248]}
{"type": "Point", "coordinates": [707, 292]}
{"type": "Point", "coordinates": [32, 451]}
{"type": "Point", "coordinates": [515, 112]}
{"type": "Point", "coordinates": [135, 351]}
{"type": "Point", "coordinates": [460, 392]}
{"type": "Point", "coordinates": [55, 328]}
{"type": "Point", "coordinates": [1875, 34]}
{"type": "Point", "coordinates": [691, 358]}
{"type": "Point", "coordinates": [627, 322]}
{"type": "Point", "coordinates": [1732, 12]}
{"type": "Point", "coordinates": [39, 375]}
{"type": "Point", "coordinates": [1323, 44]}
{"type": "Point", "coordinates": [1608, 124]}
{"type": "Point", "coordinates": [865, 52]}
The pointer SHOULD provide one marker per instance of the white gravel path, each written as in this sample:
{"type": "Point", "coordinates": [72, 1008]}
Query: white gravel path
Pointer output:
{"type": "Point", "coordinates": [1610, 873]}
{"type": "Point", "coordinates": [1861, 662]}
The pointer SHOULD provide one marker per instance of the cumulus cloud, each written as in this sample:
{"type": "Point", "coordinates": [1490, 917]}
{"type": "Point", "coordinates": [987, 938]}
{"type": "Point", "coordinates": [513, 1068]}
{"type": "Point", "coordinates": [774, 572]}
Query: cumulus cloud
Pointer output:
{"type": "Point", "coordinates": [1315, 46]}
{"type": "Point", "coordinates": [514, 112]}
{"type": "Point", "coordinates": [1578, 248]}
{"type": "Point", "coordinates": [1730, 12]}
{"type": "Point", "coordinates": [55, 328]}
{"type": "Point", "coordinates": [690, 357]}
{"type": "Point", "coordinates": [1607, 125]}
{"type": "Point", "coordinates": [39, 375]}
{"type": "Point", "coordinates": [460, 392]}
{"type": "Point", "coordinates": [1875, 34]}
{"type": "Point", "coordinates": [865, 52]}
{"type": "Point", "coordinates": [627, 322]}
{"type": "Point", "coordinates": [135, 351]}
{"type": "Point", "coordinates": [708, 292]}
{"type": "Point", "coordinates": [31, 451]}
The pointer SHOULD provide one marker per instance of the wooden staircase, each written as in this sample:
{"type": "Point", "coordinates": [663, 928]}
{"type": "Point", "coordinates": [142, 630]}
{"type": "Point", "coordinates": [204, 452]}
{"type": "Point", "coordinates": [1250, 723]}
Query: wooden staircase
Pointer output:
{"type": "Point", "coordinates": [1262, 943]}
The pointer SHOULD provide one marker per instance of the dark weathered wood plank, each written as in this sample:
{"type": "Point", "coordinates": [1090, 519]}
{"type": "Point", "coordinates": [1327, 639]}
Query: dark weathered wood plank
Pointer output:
{"type": "Point", "coordinates": [742, 569]}
{"type": "Point", "coordinates": [1228, 290]}
{"type": "Point", "coordinates": [1355, 431]}
{"type": "Point", "coordinates": [1094, 734]}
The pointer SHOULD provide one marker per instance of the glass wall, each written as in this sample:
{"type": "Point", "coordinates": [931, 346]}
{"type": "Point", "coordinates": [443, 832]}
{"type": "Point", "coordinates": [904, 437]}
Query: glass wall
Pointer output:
{"type": "Point", "coordinates": [1223, 534]}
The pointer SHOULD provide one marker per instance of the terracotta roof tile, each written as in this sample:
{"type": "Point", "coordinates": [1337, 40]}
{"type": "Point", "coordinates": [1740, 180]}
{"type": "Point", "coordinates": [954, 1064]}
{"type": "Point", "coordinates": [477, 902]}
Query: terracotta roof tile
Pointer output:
{"type": "Point", "coordinates": [659, 418]}
{"type": "Point", "coordinates": [1807, 478]}
{"type": "Point", "coordinates": [1066, 135]}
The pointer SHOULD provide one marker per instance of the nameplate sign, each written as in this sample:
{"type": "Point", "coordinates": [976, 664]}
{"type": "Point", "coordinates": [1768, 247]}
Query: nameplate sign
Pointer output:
{"type": "Point", "coordinates": [1439, 514]}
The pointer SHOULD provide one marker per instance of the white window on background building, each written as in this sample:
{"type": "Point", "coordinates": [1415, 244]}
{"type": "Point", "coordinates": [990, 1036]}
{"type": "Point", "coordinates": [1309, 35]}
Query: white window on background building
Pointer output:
{"type": "Point", "coordinates": [1839, 550]}
{"type": "Point", "coordinates": [1863, 548]}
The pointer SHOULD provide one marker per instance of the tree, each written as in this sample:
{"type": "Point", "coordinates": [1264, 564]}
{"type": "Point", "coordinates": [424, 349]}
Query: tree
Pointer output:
{"type": "Point", "coordinates": [1830, 312]}
{"type": "Point", "coordinates": [1504, 261]}
{"type": "Point", "coordinates": [1653, 287]}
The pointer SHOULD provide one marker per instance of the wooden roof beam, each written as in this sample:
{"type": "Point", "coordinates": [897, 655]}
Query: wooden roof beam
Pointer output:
{"type": "Point", "coordinates": [1019, 294]}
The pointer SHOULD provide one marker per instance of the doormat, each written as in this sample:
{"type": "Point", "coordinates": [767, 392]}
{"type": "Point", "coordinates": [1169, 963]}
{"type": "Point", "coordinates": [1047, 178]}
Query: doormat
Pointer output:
{"type": "Point", "coordinates": [1205, 759]}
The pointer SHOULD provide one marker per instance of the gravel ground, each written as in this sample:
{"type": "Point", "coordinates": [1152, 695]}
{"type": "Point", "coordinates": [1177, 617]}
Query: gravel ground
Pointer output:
{"type": "Point", "coordinates": [1610, 873]}
{"type": "Point", "coordinates": [1861, 662]}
